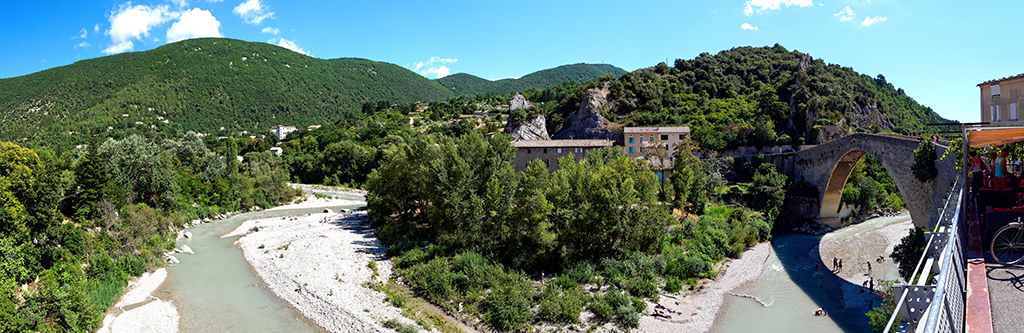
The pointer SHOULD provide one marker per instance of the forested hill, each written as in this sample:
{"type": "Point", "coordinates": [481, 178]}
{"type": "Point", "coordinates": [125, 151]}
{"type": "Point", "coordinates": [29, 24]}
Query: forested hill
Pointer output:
{"type": "Point", "coordinates": [466, 84]}
{"type": "Point", "coordinates": [201, 84]}
{"type": "Point", "coordinates": [756, 96]}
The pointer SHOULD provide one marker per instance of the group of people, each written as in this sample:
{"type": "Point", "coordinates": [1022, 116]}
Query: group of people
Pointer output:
{"type": "Point", "coordinates": [994, 173]}
{"type": "Point", "coordinates": [664, 312]}
{"type": "Point", "coordinates": [837, 265]}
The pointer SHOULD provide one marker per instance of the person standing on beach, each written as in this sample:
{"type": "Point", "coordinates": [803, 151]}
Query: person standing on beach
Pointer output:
{"type": "Point", "coordinates": [835, 264]}
{"type": "Point", "coordinates": [869, 268]}
{"type": "Point", "coordinates": [840, 264]}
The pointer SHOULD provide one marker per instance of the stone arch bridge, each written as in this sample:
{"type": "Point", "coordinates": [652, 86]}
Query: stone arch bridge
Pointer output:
{"type": "Point", "coordinates": [828, 166]}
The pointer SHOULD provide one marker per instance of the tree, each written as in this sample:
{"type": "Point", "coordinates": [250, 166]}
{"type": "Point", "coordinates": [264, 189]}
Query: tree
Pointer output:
{"type": "Point", "coordinates": [924, 162]}
{"type": "Point", "coordinates": [767, 191]}
{"type": "Point", "coordinates": [92, 185]}
{"type": "Point", "coordinates": [688, 179]}
{"type": "Point", "coordinates": [907, 253]}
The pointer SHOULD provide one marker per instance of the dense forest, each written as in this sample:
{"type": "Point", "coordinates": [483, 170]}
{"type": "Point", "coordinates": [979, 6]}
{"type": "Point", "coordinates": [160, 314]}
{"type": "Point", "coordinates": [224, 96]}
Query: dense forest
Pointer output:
{"type": "Point", "coordinates": [79, 225]}
{"type": "Point", "coordinates": [467, 84]}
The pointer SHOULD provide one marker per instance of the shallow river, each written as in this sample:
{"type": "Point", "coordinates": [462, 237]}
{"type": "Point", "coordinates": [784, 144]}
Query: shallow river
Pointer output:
{"type": "Point", "coordinates": [217, 291]}
{"type": "Point", "coordinates": [791, 289]}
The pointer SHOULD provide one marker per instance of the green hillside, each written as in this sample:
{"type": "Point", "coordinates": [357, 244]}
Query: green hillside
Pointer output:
{"type": "Point", "coordinates": [757, 96]}
{"type": "Point", "coordinates": [465, 84]}
{"type": "Point", "coordinates": [201, 84]}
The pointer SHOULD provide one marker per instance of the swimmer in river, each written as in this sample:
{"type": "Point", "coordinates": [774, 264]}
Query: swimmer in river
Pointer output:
{"type": "Point", "coordinates": [820, 312]}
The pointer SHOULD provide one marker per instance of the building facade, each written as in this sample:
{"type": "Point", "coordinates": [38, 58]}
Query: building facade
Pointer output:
{"type": "Point", "coordinates": [549, 151]}
{"type": "Point", "coordinates": [1000, 99]}
{"type": "Point", "coordinates": [282, 131]}
{"type": "Point", "coordinates": [653, 140]}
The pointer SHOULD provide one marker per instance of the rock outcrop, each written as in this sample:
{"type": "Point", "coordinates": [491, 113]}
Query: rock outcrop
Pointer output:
{"type": "Point", "coordinates": [533, 129]}
{"type": "Point", "coordinates": [518, 102]}
{"type": "Point", "coordinates": [587, 123]}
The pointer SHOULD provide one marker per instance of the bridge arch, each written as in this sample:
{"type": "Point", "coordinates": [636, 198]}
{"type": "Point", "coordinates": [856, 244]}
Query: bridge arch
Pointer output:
{"type": "Point", "coordinates": [828, 167]}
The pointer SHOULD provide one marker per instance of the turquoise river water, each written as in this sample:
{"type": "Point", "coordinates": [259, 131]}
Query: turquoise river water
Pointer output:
{"type": "Point", "coordinates": [217, 291]}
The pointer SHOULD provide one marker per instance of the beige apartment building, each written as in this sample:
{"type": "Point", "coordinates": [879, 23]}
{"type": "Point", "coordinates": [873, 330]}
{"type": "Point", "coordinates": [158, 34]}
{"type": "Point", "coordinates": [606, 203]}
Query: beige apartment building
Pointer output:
{"type": "Point", "coordinates": [549, 151]}
{"type": "Point", "coordinates": [653, 140]}
{"type": "Point", "coordinates": [1000, 98]}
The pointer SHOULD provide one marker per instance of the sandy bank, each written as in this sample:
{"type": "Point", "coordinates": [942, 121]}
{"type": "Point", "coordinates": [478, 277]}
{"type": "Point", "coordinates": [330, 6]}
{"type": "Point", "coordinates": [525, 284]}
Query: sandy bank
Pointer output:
{"type": "Point", "coordinates": [859, 250]}
{"type": "Point", "coordinates": [310, 201]}
{"type": "Point", "coordinates": [139, 311]}
{"type": "Point", "coordinates": [700, 308]}
{"type": "Point", "coordinates": [320, 268]}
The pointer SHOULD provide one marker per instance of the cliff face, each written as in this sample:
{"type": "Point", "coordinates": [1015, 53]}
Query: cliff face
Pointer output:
{"type": "Point", "coordinates": [533, 129]}
{"type": "Point", "coordinates": [587, 123]}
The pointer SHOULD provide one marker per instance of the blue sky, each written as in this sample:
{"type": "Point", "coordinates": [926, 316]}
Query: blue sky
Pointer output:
{"type": "Point", "coordinates": [937, 51]}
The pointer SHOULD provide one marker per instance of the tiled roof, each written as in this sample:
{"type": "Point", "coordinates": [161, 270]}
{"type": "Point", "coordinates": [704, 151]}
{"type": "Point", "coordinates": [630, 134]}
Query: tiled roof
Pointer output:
{"type": "Point", "coordinates": [683, 129]}
{"type": "Point", "coordinates": [561, 143]}
{"type": "Point", "coordinates": [1001, 80]}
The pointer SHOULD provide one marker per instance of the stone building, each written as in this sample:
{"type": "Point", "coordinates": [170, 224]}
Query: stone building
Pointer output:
{"type": "Point", "coordinates": [1000, 97]}
{"type": "Point", "coordinates": [549, 151]}
{"type": "Point", "coordinates": [654, 140]}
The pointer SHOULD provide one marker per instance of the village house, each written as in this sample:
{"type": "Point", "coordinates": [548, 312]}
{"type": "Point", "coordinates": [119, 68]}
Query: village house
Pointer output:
{"type": "Point", "coordinates": [282, 131]}
{"type": "Point", "coordinates": [1000, 97]}
{"type": "Point", "coordinates": [549, 151]}
{"type": "Point", "coordinates": [653, 141]}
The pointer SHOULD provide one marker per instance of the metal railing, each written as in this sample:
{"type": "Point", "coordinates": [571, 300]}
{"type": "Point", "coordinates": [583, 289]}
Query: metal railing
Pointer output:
{"type": "Point", "coordinates": [939, 305]}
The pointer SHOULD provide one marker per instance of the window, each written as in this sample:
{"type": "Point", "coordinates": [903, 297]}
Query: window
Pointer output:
{"type": "Point", "coordinates": [631, 140]}
{"type": "Point", "coordinates": [682, 136]}
{"type": "Point", "coordinates": [559, 150]}
{"type": "Point", "coordinates": [1013, 111]}
{"type": "Point", "coordinates": [651, 139]}
{"type": "Point", "coordinates": [527, 151]}
{"type": "Point", "coordinates": [995, 113]}
{"type": "Point", "coordinates": [641, 139]}
{"type": "Point", "coordinates": [995, 91]}
{"type": "Point", "coordinates": [632, 150]}
{"type": "Point", "coordinates": [664, 137]}
{"type": "Point", "coordinates": [641, 150]}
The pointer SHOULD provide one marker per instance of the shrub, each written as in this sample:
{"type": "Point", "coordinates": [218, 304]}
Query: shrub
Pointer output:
{"type": "Point", "coordinates": [582, 272]}
{"type": "Point", "coordinates": [627, 316]}
{"type": "Point", "coordinates": [561, 305]}
{"type": "Point", "coordinates": [508, 306]}
{"type": "Point", "coordinates": [673, 285]}
{"type": "Point", "coordinates": [644, 287]}
{"type": "Point", "coordinates": [400, 327]}
{"type": "Point", "coordinates": [599, 306]}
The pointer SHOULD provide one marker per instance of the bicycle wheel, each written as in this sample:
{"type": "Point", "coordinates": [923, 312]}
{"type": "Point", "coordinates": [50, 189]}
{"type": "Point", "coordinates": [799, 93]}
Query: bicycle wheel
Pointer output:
{"type": "Point", "coordinates": [1008, 244]}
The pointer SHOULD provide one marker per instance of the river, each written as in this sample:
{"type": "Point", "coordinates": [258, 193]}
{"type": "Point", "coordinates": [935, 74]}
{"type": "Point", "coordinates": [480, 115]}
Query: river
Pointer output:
{"type": "Point", "coordinates": [217, 291]}
{"type": "Point", "coordinates": [791, 289]}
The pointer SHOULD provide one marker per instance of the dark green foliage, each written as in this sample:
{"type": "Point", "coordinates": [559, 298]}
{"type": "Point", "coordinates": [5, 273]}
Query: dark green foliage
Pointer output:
{"type": "Point", "coordinates": [465, 84]}
{"type": "Point", "coordinates": [908, 252]}
{"type": "Point", "coordinates": [767, 191]}
{"type": "Point", "coordinates": [561, 305]}
{"type": "Point", "coordinates": [201, 85]}
{"type": "Point", "coordinates": [924, 162]}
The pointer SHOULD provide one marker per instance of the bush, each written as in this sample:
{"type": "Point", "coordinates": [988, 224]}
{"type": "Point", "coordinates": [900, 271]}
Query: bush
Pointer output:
{"type": "Point", "coordinates": [600, 308]}
{"type": "Point", "coordinates": [561, 305]}
{"type": "Point", "coordinates": [582, 273]}
{"type": "Point", "coordinates": [644, 287]}
{"type": "Point", "coordinates": [400, 327]}
{"type": "Point", "coordinates": [627, 316]}
{"type": "Point", "coordinates": [508, 306]}
{"type": "Point", "coordinates": [673, 285]}
{"type": "Point", "coordinates": [924, 161]}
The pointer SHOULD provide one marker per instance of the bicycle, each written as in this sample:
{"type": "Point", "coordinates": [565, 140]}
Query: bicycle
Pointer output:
{"type": "Point", "coordinates": [1007, 246]}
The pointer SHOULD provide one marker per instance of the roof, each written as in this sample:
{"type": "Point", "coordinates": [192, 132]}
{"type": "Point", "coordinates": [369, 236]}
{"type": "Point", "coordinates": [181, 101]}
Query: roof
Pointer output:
{"type": "Point", "coordinates": [1008, 78]}
{"type": "Point", "coordinates": [561, 143]}
{"type": "Point", "coordinates": [683, 129]}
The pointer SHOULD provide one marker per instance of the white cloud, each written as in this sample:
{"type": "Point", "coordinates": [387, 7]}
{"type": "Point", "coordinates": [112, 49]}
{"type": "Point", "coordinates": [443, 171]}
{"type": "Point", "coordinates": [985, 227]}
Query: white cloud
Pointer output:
{"type": "Point", "coordinates": [84, 33]}
{"type": "Point", "coordinates": [134, 22]}
{"type": "Point", "coordinates": [291, 46]}
{"type": "Point", "coordinates": [872, 20]}
{"type": "Point", "coordinates": [180, 3]}
{"type": "Point", "coordinates": [747, 26]}
{"type": "Point", "coordinates": [271, 30]}
{"type": "Point", "coordinates": [821, 4]}
{"type": "Point", "coordinates": [96, 28]}
{"type": "Point", "coordinates": [439, 72]}
{"type": "Point", "coordinates": [82, 45]}
{"type": "Point", "coordinates": [766, 5]}
{"type": "Point", "coordinates": [845, 15]}
{"type": "Point", "coordinates": [253, 11]}
{"type": "Point", "coordinates": [194, 23]}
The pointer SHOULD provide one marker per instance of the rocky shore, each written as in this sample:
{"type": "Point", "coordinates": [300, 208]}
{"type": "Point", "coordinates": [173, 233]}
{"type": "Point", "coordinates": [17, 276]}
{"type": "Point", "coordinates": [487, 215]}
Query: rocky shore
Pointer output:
{"type": "Point", "coordinates": [139, 310]}
{"type": "Point", "coordinates": [700, 308]}
{"type": "Point", "coordinates": [321, 264]}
